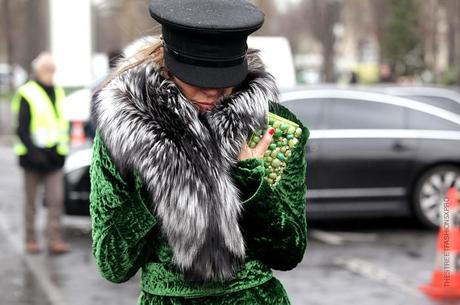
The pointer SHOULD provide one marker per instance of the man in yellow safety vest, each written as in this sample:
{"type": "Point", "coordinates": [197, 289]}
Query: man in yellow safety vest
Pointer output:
{"type": "Point", "coordinates": [42, 144]}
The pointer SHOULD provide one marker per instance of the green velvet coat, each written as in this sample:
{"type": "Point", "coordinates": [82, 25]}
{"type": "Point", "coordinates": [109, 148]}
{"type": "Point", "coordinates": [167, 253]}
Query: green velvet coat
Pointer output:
{"type": "Point", "coordinates": [126, 236]}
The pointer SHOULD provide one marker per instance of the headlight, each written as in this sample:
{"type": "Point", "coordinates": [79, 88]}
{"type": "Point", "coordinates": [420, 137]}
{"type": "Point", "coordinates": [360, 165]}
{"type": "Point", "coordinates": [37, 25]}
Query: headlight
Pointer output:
{"type": "Point", "coordinates": [74, 176]}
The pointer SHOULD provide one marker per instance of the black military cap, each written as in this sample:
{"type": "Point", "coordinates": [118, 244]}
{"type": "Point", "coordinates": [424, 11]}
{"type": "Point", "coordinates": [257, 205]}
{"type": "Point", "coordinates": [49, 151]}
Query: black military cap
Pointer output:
{"type": "Point", "coordinates": [205, 40]}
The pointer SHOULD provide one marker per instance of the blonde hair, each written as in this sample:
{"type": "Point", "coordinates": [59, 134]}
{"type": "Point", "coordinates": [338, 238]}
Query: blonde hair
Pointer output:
{"type": "Point", "coordinates": [147, 49]}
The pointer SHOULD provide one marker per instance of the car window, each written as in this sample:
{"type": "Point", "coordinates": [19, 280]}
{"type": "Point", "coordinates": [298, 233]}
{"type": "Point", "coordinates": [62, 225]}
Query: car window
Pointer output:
{"type": "Point", "coordinates": [423, 120]}
{"type": "Point", "coordinates": [308, 111]}
{"type": "Point", "coordinates": [438, 101]}
{"type": "Point", "coordinates": [357, 114]}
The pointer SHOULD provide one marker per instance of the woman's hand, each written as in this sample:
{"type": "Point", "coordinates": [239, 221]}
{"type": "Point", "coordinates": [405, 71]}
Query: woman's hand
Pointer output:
{"type": "Point", "coordinates": [259, 150]}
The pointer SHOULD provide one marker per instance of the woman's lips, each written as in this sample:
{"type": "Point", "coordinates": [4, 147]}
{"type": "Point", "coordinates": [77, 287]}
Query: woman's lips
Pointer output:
{"type": "Point", "coordinates": [205, 106]}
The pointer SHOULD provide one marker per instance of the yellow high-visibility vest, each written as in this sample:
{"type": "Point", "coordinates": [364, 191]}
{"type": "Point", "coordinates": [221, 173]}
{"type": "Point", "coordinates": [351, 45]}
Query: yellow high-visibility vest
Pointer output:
{"type": "Point", "coordinates": [47, 126]}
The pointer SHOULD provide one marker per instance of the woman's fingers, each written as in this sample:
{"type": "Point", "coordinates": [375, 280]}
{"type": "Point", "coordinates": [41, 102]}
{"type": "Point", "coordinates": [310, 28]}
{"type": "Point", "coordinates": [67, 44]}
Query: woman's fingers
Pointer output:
{"type": "Point", "coordinates": [259, 150]}
{"type": "Point", "coordinates": [262, 146]}
{"type": "Point", "coordinates": [245, 153]}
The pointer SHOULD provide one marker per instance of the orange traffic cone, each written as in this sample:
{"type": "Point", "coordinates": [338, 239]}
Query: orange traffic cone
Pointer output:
{"type": "Point", "coordinates": [77, 136]}
{"type": "Point", "coordinates": [445, 283]}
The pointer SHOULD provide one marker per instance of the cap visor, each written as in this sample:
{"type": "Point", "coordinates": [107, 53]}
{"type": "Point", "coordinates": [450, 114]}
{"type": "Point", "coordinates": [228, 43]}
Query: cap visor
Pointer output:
{"type": "Point", "coordinates": [207, 77]}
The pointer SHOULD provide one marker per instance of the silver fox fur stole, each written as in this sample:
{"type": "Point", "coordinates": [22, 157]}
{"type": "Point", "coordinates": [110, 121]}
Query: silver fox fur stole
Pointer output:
{"type": "Point", "coordinates": [185, 157]}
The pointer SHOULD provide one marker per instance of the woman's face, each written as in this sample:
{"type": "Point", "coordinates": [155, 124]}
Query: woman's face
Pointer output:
{"type": "Point", "coordinates": [204, 98]}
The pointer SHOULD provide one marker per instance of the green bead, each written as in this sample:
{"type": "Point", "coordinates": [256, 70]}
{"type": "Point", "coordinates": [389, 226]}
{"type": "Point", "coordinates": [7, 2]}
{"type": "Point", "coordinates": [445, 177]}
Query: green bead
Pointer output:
{"type": "Point", "coordinates": [269, 159]}
{"type": "Point", "coordinates": [290, 136]}
{"type": "Point", "coordinates": [272, 146]}
{"type": "Point", "coordinates": [256, 140]}
{"type": "Point", "coordinates": [292, 142]}
{"type": "Point", "coordinates": [258, 132]}
{"type": "Point", "coordinates": [276, 163]}
{"type": "Point", "coordinates": [270, 180]}
{"type": "Point", "coordinates": [288, 154]}
{"type": "Point", "coordinates": [278, 133]}
{"type": "Point", "coordinates": [284, 127]}
{"type": "Point", "coordinates": [283, 149]}
{"type": "Point", "coordinates": [291, 130]}
{"type": "Point", "coordinates": [281, 157]}
{"type": "Point", "coordinates": [273, 176]}
{"type": "Point", "coordinates": [279, 144]}
{"type": "Point", "coordinates": [271, 121]}
{"type": "Point", "coordinates": [267, 153]}
{"type": "Point", "coordinates": [276, 124]}
{"type": "Point", "coordinates": [274, 154]}
{"type": "Point", "coordinates": [252, 144]}
{"type": "Point", "coordinates": [298, 132]}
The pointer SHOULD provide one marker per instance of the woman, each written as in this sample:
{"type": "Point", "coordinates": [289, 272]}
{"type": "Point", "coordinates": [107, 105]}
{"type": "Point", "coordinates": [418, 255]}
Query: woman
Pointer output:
{"type": "Point", "coordinates": [175, 190]}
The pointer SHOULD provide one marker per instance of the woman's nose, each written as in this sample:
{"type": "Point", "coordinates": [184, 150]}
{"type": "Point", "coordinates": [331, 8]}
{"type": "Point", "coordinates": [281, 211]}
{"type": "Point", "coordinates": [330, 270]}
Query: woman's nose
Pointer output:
{"type": "Point", "coordinates": [211, 92]}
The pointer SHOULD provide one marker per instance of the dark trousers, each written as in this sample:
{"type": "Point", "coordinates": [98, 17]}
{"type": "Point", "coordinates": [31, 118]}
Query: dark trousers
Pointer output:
{"type": "Point", "coordinates": [54, 197]}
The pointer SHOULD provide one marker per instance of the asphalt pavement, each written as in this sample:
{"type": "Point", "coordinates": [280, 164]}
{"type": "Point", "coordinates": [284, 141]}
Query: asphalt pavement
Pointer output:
{"type": "Point", "coordinates": [18, 285]}
{"type": "Point", "coordinates": [374, 262]}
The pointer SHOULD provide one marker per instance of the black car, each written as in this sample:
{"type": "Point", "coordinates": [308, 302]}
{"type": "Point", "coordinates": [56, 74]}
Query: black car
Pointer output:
{"type": "Point", "coordinates": [369, 154]}
{"type": "Point", "coordinates": [372, 154]}
{"type": "Point", "coordinates": [77, 182]}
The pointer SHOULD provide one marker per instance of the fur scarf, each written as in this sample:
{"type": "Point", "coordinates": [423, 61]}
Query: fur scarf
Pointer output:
{"type": "Point", "coordinates": [185, 157]}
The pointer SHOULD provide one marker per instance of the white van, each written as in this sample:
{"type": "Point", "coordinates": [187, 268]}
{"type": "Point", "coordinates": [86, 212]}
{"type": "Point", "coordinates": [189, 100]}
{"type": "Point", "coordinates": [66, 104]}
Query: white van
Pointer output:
{"type": "Point", "coordinates": [275, 52]}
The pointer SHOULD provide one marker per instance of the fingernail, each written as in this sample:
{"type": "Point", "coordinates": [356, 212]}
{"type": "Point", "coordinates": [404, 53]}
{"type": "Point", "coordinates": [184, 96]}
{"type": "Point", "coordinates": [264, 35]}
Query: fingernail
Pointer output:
{"type": "Point", "coordinates": [271, 131]}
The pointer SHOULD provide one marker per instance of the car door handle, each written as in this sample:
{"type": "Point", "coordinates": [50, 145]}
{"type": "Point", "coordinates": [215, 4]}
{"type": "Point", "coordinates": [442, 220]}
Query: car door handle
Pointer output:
{"type": "Point", "coordinates": [398, 146]}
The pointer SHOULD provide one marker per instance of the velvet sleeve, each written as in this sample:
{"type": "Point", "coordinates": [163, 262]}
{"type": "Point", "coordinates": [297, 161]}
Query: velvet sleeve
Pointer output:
{"type": "Point", "coordinates": [274, 219]}
{"type": "Point", "coordinates": [120, 221]}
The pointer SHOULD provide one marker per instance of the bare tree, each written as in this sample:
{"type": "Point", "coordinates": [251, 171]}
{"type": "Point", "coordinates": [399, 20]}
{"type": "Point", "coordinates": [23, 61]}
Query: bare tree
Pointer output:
{"type": "Point", "coordinates": [379, 16]}
{"type": "Point", "coordinates": [272, 18]}
{"type": "Point", "coordinates": [429, 12]}
{"type": "Point", "coordinates": [453, 15]}
{"type": "Point", "coordinates": [27, 29]}
{"type": "Point", "coordinates": [8, 37]}
{"type": "Point", "coordinates": [120, 22]}
{"type": "Point", "coordinates": [323, 16]}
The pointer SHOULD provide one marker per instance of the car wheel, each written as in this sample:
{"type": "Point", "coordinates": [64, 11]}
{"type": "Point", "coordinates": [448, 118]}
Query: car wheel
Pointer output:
{"type": "Point", "coordinates": [430, 193]}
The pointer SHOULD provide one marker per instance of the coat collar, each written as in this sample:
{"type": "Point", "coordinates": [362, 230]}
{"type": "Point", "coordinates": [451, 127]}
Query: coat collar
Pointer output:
{"type": "Point", "coordinates": [185, 158]}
